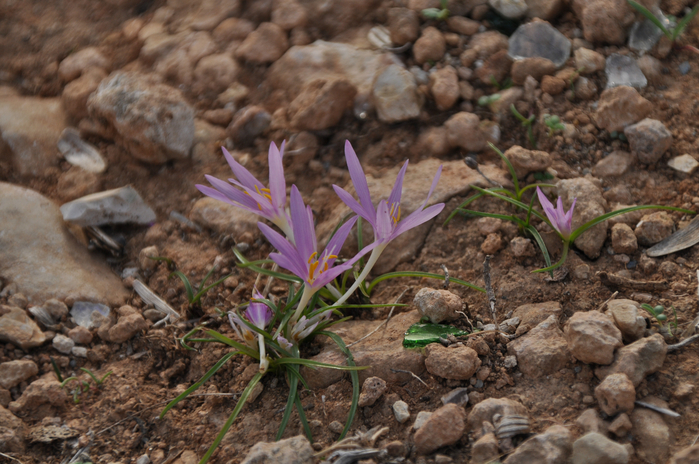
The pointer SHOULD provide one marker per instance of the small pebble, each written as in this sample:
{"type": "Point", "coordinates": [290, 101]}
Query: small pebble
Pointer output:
{"type": "Point", "coordinates": [401, 411]}
{"type": "Point", "coordinates": [335, 427]}
{"type": "Point", "coordinates": [685, 67]}
{"type": "Point", "coordinates": [143, 459]}
{"type": "Point", "coordinates": [457, 396]}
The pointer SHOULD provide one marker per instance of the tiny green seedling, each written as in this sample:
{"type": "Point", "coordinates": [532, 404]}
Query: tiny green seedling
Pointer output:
{"type": "Point", "coordinates": [437, 13]}
{"type": "Point", "coordinates": [506, 84]}
{"type": "Point", "coordinates": [486, 100]}
{"type": "Point", "coordinates": [82, 386]}
{"type": "Point", "coordinates": [673, 34]}
{"type": "Point", "coordinates": [658, 313]}
{"type": "Point", "coordinates": [553, 123]}
{"type": "Point", "coordinates": [526, 122]}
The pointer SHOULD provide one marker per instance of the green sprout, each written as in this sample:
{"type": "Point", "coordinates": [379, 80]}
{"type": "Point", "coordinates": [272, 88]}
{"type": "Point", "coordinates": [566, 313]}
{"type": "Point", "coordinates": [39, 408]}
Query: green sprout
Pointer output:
{"type": "Point", "coordinates": [526, 122]}
{"type": "Point", "coordinates": [658, 313]}
{"type": "Point", "coordinates": [506, 84]}
{"type": "Point", "coordinates": [553, 123]}
{"type": "Point", "coordinates": [82, 386]}
{"type": "Point", "coordinates": [486, 100]}
{"type": "Point", "coordinates": [673, 34]}
{"type": "Point", "coordinates": [437, 13]}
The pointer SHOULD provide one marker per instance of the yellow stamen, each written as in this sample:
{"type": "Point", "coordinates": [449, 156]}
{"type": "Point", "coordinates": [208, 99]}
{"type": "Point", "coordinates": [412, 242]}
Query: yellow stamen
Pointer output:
{"type": "Point", "coordinates": [312, 270]}
{"type": "Point", "coordinates": [313, 256]}
{"type": "Point", "coordinates": [331, 257]}
{"type": "Point", "coordinates": [266, 195]}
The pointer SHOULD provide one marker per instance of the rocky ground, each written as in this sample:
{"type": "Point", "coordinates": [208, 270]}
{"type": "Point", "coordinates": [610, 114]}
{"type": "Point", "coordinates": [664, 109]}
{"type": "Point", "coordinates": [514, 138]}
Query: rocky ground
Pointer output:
{"type": "Point", "coordinates": [135, 98]}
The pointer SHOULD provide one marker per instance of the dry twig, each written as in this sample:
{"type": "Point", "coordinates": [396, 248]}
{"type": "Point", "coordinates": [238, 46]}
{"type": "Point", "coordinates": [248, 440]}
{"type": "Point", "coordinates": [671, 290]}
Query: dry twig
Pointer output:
{"type": "Point", "coordinates": [489, 288]}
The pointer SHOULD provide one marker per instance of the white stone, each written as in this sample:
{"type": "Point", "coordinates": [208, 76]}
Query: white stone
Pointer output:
{"type": "Point", "coordinates": [684, 163]}
{"type": "Point", "coordinates": [63, 343]}
{"type": "Point", "coordinates": [401, 411]}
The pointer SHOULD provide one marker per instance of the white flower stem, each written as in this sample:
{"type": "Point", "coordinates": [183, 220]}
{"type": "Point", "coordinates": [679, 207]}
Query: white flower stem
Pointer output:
{"type": "Point", "coordinates": [264, 362]}
{"type": "Point", "coordinates": [305, 298]}
{"type": "Point", "coordinates": [376, 252]}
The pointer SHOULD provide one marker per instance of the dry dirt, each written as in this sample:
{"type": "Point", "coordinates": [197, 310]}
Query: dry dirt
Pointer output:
{"type": "Point", "coordinates": [152, 369]}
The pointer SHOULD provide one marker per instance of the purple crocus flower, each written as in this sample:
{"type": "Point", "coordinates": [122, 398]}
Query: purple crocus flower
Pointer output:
{"type": "Point", "coordinates": [252, 195]}
{"type": "Point", "coordinates": [385, 219]}
{"type": "Point", "coordinates": [258, 313]}
{"type": "Point", "coordinates": [560, 220]}
{"type": "Point", "coordinates": [303, 259]}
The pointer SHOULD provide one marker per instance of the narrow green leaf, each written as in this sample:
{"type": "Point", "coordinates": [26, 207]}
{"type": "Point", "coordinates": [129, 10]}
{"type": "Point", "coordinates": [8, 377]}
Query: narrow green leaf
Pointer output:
{"type": "Point", "coordinates": [517, 203]}
{"type": "Point", "coordinates": [293, 388]}
{"type": "Point", "coordinates": [576, 233]}
{"type": "Point", "coordinates": [56, 370]}
{"type": "Point", "coordinates": [542, 245]}
{"type": "Point", "coordinates": [392, 275]}
{"type": "Point", "coordinates": [203, 290]}
{"type": "Point", "coordinates": [187, 285]}
{"type": "Point", "coordinates": [88, 372]}
{"type": "Point", "coordinates": [683, 22]}
{"type": "Point", "coordinates": [238, 407]}
{"type": "Point", "coordinates": [645, 12]}
{"type": "Point", "coordinates": [232, 343]}
{"type": "Point", "coordinates": [302, 417]}
{"type": "Point", "coordinates": [355, 381]}
{"type": "Point", "coordinates": [510, 168]}
{"type": "Point", "coordinates": [313, 364]}
{"type": "Point", "coordinates": [198, 384]}
{"type": "Point", "coordinates": [564, 255]}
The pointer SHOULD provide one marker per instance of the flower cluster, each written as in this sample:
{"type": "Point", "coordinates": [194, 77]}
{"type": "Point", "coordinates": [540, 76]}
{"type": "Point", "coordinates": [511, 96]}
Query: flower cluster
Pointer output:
{"type": "Point", "coordinates": [295, 240]}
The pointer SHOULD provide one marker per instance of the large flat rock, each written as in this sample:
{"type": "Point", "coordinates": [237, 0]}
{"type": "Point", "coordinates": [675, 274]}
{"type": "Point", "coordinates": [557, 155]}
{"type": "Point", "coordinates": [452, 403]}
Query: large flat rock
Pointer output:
{"type": "Point", "coordinates": [39, 254]}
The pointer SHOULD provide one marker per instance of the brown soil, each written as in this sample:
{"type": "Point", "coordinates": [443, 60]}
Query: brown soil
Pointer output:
{"type": "Point", "coordinates": [150, 370]}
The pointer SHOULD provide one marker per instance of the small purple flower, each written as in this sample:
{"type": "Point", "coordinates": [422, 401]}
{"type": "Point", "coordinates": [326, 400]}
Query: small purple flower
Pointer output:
{"type": "Point", "coordinates": [257, 313]}
{"type": "Point", "coordinates": [252, 195]}
{"type": "Point", "coordinates": [303, 259]}
{"type": "Point", "coordinates": [386, 218]}
{"type": "Point", "coordinates": [560, 220]}
{"type": "Point", "coordinates": [242, 330]}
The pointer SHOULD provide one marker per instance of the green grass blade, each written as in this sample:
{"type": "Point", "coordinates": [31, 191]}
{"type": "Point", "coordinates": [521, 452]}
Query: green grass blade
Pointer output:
{"type": "Point", "coordinates": [203, 290]}
{"type": "Point", "coordinates": [549, 269]}
{"type": "Point", "coordinates": [542, 245]}
{"type": "Point", "coordinates": [517, 203]}
{"type": "Point", "coordinates": [293, 389]}
{"type": "Point", "coordinates": [238, 407]}
{"type": "Point", "coordinates": [198, 384]}
{"type": "Point", "coordinates": [56, 370]}
{"type": "Point", "coordinates": [88, 372]}
{"type": "Point", "coordinates": [650, 16]}
{"type": "Point", "coordinates": [187, 286]}
{"type": "Point", "coordinates": [392, 275]}
{"type": "Point", "coordinates": [355, 381]}
{"type": "Point", "coordinates": [576, 233]}
{"type": "Point", "coordinates": [302, 418]}
{"type": "Point", "coordinates": [510, 168]}
{"type": "Point", "coordinates": [683, 22]}
{"type": "Point", "coordinates": [313, 364]}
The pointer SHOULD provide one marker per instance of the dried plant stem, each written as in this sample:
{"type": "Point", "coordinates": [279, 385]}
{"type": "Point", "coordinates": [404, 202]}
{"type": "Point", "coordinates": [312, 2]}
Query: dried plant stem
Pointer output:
{"type": "Point", "coordinates": [10, 457]}
{"type": "Point", "coordinates": [683, 343]}
{"type": "Point", "coordinates": [489, 289]}
{"type": "Point", "coordinates": [601, 307]}
{"type": "Point", "coordinates": [446, 276]}
{"type": "Point", "coordinates": [408, 372]}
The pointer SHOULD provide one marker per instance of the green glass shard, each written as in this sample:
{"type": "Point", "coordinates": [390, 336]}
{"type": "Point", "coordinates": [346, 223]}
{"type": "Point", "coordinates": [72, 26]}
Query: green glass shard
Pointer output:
{"type": "Point", "coordinates": [419, 335]}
